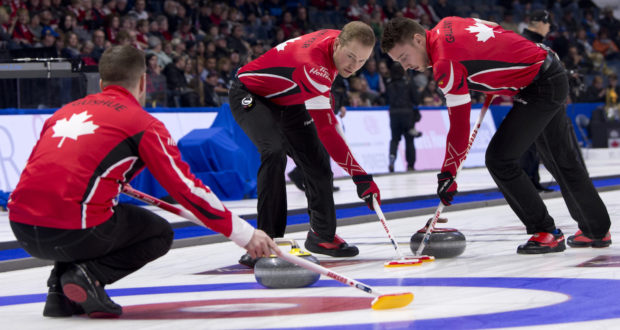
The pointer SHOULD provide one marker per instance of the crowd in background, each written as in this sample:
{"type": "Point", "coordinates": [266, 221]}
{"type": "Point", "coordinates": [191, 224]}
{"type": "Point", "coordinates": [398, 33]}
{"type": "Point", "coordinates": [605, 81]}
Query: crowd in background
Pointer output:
{"type": "Point", "coordinates": [194, 47]}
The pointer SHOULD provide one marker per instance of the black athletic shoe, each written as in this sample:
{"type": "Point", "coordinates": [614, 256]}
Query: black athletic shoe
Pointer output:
{"type": "Point", "coordinates": [580, 240]}
{"type": "Point", "coordinates": [336, 248]}
{"type": "Point", "coordinates": [247, 260]}
{"type": "Point", "coordinates": [58, 305]}
{"type": "Point", "coordinates": [543, 243]}
{"type": "Point", "coordinates": [82, 287]}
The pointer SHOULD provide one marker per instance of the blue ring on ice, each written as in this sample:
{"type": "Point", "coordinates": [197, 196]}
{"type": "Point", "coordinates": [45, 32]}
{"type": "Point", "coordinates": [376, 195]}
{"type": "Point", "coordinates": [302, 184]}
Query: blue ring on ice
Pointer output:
{"type": "Point", "coordinates": [590, 299]}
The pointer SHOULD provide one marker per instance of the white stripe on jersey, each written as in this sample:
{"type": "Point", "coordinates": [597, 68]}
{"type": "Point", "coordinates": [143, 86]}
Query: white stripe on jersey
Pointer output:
{"type": "Point", "coordinates": [93, 189]}
{"type": "Point", "coordinates": [272, 76]}
{"type": "Point", "coordinates": [319, 87]}
{"type": "Point", "coordinates": [208, 197]}
{"type": "Point", "coordinates": [318, 102]}
{"type": "Point", "coordinates": [470, 78]}
{"type": "Point", "coordinates": [448, 87]}
{"type": "Point", "coordinates": [456, 100]}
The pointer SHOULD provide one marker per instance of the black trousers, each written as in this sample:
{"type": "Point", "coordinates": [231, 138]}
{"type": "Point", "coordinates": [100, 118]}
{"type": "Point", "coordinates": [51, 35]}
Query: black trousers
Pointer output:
{"type": "Point", "coordinates": [539, 116]}
{"type": "Point", "coordinates": [130, 239]}
{"type": "Point", "coordinates": [276, 130]}
{"type": "Point", "coordinates": [400, 124]}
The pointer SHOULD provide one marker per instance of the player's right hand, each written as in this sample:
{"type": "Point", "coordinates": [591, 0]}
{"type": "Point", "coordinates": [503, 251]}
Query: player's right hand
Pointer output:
{"type": "Point", "coordinates": [261, 245]}
{"type": "Point", "coordinates": [446, 187]}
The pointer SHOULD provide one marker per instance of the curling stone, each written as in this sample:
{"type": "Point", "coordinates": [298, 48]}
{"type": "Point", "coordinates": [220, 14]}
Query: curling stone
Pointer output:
{"type": "Point", "coordinates": [275, 273]}
{"type": "Point", "coordinates": [443, 243]}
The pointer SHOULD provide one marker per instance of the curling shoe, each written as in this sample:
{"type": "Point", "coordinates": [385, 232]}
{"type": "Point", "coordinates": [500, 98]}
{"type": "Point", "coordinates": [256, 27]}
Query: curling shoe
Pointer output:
{"type": "Point", "coordinates": [543, 243]}
{"type": "Point", "coordinates": [80, 286]}
{"type": "Point", "coordinates": [580, 240]}
{"type": "Point", "coordinates": [336, 248]}
{"type": "Point", "coordinates": [247, 260]}
{"type": "Point", "coordinates": [58, 305]}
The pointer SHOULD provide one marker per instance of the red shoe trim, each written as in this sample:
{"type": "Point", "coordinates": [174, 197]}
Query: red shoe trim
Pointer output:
{"type": "Point", "coordinates": [329, 246]}
{"type": "Point", "coordinates": [546, 239]}
{"type": "Point", "coordinates": [75, 292]}
{"type": "Point", "coordinates": [338, 240]}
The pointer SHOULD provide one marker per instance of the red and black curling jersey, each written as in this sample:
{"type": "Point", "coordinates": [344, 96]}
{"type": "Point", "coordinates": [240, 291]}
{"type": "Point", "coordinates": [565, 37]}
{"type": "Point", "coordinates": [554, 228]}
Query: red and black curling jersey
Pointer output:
{"type": "Point", "coordinates": [298, 71]}
{"type": "Point", "coordinates": [467, 54]}
{"type": "Point", "coordinates": [89, 148]}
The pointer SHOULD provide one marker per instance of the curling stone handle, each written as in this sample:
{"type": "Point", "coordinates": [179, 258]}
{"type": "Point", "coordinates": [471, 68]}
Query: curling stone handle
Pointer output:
{"type": "Point", "coordinates": [287, 241]}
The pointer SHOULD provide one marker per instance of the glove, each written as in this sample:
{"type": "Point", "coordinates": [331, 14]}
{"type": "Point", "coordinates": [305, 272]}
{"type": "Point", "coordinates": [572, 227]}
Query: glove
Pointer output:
{"type": "Point", "coordinates": [446, 188]}
{"type": "Point", "coordinates": [366, 188]}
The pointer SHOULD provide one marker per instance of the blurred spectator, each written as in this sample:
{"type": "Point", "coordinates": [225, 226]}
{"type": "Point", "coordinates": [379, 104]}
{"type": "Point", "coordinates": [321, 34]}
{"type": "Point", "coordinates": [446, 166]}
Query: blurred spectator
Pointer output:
{"type": "Point", "coordinates": [57, 9]}
{"type": "Point", "coordinates": [93, 17]}
{"type": "Point", "coordinates": [606, 46]}
{"type": "Point", "coordinates": [235, 41]}
{"type": "Point", "coordinates": [444, 9]}
{"type": "Point", "coordinates": [86, 53]}
{"type": "Point", "coordinates": [211, 65]}
{"type": "Point", "coordinates": [288, 25]}
{"type": "Point", "coordinates": [123, 38]}
{"type": "Point", "coordinates": [431, 96]}
{"type": "Point", "coordinates": [224, 70]}
{"type": "Point", "coordinates": [376, 23]}
{"type": "Point", "coordinates": [303, 21]}
{"type": "Point", "coordinates": [383, 70]}
{"type": "Point", "coordinates": [186, 31]}
{"type": "Point", "coordinates": [390, 9]}
{"type": "Point", "coordinates": [211, 98]}
{"type": "Point", "coordinates": [98, 44]}
{"type": "Point", "coordinates": [508, 23]}
{"type": "Point", "coordinates": [21, 32]}
{"type": "Point", "coordinates": [257, 48]}
{"type": "Point", "coordinates": [590, 25]}
{"type": "Point", "coordinates": [139, 10]}
{"type": "Point", "coordinates": [278, 38]}
{"type": "Point", "coordinates": [595, 92]}
{"type": "Point", "coordinates": [35, 27]}
{"type": "Point", "coordinates": [274, 8]}
{"type": "Point", "coordinates": [121, 7]}
{"type": "Point", "coordinates": [613, 90]}
{"type": "Point", "coordinates": [48, 38]}
{"type": "Point", "coordinates": [7, 25]}
{"type": "Point", "coordinates": [155, 82]}
{"type": "Point", "coordinates": [577, 62]}
{"type": "Point", "coordinates": [109, 7]}
{"type": "Point", "coordinates": [142, 31]}
{"type": "Point", "coordinates": [113, 24]}
{"type": "Point", "coordinates": [164, 28]}
{"type": "Point", "coordinates": [354, 11]}
{"type": "Point", "coordinates": [609, 22]}
{"type": "Point", "coordinates": [429, 11]}
{"type": "Point", "coordinates": [221, 47]}
{"type": "Point", "coordinates": [411, 10]}
{"type": "Point", "coordinates": [72, 46]}
{"type": "Point", "coordinates": [371, 7]}
{"type": "Point", "coordinates": [402, 97]}
{"type": "Point", "coordinates": [372, 76]}
{"type": "Point", "coordinates": [583, 44]}
{"type": "Point", "coordinates": [178, 90]}
{"type": "Point", "coordinates": [355, 95]}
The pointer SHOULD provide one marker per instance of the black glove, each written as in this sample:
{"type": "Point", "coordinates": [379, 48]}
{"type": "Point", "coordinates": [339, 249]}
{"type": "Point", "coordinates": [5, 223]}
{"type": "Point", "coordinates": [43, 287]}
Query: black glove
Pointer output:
{"type": "Point", "coordinates": [446, 187]}
{"type": "Point", "coordinates": [366, 188]}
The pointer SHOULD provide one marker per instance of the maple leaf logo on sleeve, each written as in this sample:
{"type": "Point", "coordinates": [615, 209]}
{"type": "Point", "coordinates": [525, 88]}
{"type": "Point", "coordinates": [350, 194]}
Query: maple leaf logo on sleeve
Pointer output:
{"type": "Point", "coordinates": [483, 32]}
{"type": "Point", "coordinates": [74, 127]}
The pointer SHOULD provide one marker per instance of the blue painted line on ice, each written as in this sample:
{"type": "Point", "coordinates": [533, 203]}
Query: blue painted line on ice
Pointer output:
{"type": "Point", "coordinates": [589, 300]}
{"type": "Point", "coordinates": [465, 197]}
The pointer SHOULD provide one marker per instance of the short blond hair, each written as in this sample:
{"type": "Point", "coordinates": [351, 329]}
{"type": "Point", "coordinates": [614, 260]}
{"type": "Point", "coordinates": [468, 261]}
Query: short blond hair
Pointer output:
{"type": "Point", "coordinates": [359, 31]}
